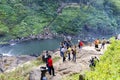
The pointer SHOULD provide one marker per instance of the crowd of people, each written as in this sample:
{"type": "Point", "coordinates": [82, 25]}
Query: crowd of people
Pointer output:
{"type": "Point", "coordinates": [67, 49]}
{"type": "Point", "coordinates": [68, 52]}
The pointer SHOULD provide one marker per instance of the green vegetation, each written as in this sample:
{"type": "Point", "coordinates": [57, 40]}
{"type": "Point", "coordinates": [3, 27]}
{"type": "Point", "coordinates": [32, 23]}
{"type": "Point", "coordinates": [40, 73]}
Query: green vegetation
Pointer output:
{"type": "Point", "coordinates": [83, 18]}
{"type": "Point", "coordinates": [21, 18]}
{"type": "Point", "coordinates": [109, 66]}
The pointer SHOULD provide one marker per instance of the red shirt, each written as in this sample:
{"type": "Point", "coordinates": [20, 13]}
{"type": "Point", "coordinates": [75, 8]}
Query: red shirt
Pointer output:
{"type": "Point", "coordinates": [81, 43]}
{"type": "Point", "coordinates": [50, 62]}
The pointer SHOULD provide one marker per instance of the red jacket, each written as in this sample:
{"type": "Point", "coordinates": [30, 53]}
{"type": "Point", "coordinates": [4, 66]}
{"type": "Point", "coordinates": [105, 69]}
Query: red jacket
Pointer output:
{"type": "Point", "coordinates": [50, 62]}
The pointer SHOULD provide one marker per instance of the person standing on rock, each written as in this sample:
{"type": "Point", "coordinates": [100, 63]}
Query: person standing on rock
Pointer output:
{"type": "Point", "coordinates": [96, 42]}
{"type": "Point", "coordinates": [64, 50]}
{"type": "Point", "coordinates": [74, 51]}
{"type": "Point", "coordinates": [103, 43]}
{"type": "Point", "coordinates": [80, 44]}
{"type": "Point", "coordinates": [46, 58]}
{"type": "Point", "coordinates": [69, 51]}
{"type": "Point", "coordinates": [50, 66]}
{"type": "Point", "coordinates": [61, 46]}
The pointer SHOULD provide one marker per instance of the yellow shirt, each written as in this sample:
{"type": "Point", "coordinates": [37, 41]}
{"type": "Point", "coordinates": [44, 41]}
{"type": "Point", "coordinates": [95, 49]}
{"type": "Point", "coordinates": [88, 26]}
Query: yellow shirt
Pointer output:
{"type": "Point", "coordinates": [69, 49]}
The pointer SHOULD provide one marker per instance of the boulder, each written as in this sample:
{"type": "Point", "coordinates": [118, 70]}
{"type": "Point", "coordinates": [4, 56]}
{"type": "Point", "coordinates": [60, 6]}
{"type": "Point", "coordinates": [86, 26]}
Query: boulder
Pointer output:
{"type": "Point", "coordinates": [35, 75]}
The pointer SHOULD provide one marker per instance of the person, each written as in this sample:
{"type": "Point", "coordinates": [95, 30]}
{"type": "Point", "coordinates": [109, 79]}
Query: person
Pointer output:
{"type": "Point", "coordinates": [96, 42]}
{"type": "Point", "coordinates": [103, 43]}
{"type": "Point", "coordinates": [93, 61]}
{"type": "Point", "coordinates": [61, 46]}
{"type": "Point", "coordinates": [46, 56]}
{"type": "Point", "coordinates": [96, 60]}
{"type": "Point", "coordinates": [66, 44]}
{"type": "Point", "coordinates": [80, 45]}
{"type": "Point", "coordinates": [92, 65]}
{"type": "Point", "coordinates": [74, 53]}
{"type": "Point", "coordinates": [43, 58]}
{"type": "Point", "coordinates": [69, 51]}
{"type": "Point", "coordinates": [64, 50]}
{"type": "Point", "coordinates": [50, 66]}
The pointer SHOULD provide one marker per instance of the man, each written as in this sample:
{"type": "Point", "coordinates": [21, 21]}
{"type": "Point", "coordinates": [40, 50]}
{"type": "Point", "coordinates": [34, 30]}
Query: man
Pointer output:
{"type": "Point", "coordinates": [96, 42]}
{"type": "Point", "coordinates": [50, 66]}
{"type": "Point", "coordinates": [103, 43]}
{"type": "Point", "coordinates": [80, 45]}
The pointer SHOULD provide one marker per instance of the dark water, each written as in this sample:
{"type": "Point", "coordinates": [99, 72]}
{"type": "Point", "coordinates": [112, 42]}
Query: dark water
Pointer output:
{"type": "Point", "coordinates": [33, 46]}
{"type": "Point", "coordinates": [30, 47]}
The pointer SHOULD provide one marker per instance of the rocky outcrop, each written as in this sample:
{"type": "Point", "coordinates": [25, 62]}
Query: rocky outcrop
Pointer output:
{"type": "Point", "coordinates": [67, 68]}
{"type": "Point", "coordinates": [8, 63]}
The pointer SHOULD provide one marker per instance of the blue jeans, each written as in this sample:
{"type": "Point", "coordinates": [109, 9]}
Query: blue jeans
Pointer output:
{"type": "Point", "coordinates": [69, 56]}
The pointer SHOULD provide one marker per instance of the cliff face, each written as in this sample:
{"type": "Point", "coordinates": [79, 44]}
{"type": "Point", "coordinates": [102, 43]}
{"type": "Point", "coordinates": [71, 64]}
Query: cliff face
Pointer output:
{"type": "Point", "coordinates": [74, 17]}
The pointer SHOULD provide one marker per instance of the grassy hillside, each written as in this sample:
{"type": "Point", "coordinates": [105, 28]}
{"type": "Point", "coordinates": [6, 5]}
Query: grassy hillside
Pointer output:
{"type": "Point", "coordinates": [109, 66]}
{"type": "Point", "coordinates": [21, 18]}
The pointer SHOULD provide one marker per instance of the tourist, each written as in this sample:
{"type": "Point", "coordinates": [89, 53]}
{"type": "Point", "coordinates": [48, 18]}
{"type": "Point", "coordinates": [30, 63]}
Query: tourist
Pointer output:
{"type": "Point", "coordinates": [64, 50]}
{"type": "Point", "coordinates": [74, 53]}
{"type": "Point", "coordinates": [69, 52]}
{"type": "Point", "coordinates": [96, 42]}
{"type": "Point", "coordinates": [80, 44]}
{"type": "Point", "coordinates": [96, 60]}
{"type": "Point", "coordinates": [50, 66]}
{"type": "Point", "coordinates": [61, 46]}
{"type": "Point", "coordinates": [103, 43]}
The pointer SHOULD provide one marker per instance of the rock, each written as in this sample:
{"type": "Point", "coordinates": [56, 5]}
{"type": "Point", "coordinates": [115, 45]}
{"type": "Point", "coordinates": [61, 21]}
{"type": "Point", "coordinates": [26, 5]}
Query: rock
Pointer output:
{"type": "Point", "coordinates": [35, 75]}
{"type": "Point", "coordinates": [66, 72]}
{"type": "Point", "coordinates": [25, 58]}
{"type": "Point", "coordinates": [57, 77]}
{"type": "Point", "coordinates": [61, 69]}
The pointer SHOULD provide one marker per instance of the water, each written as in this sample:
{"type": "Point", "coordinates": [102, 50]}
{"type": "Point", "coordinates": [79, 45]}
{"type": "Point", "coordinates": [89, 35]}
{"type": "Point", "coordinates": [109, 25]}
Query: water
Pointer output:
{"type": "Point", "coordinates": [30, 47]}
